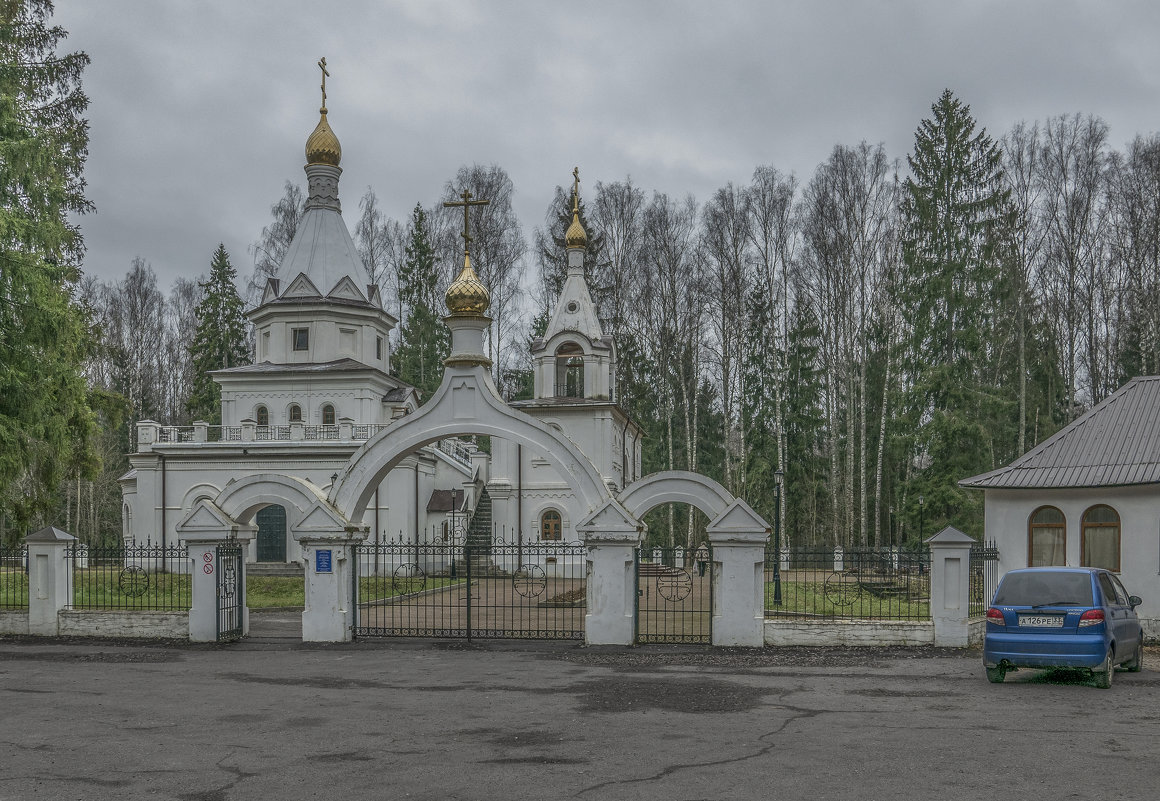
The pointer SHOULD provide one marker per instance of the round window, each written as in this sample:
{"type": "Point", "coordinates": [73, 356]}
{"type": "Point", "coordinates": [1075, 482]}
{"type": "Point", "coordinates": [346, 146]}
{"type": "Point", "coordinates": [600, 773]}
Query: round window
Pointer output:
{"type": "Point", "coordinates": [573, 307]}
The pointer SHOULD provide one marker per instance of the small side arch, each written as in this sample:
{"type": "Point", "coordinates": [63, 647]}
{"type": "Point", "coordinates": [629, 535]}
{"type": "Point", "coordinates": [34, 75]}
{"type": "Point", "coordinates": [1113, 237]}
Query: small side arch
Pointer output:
{"type": "Point", "coordinates": [242, 499]}
{"type": "Point", "coordinates": [675, 486]}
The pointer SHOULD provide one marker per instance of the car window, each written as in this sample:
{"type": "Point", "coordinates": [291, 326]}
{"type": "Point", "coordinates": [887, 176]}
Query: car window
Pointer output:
{"type": "Point", "coordinates": [1109, 589]}
{"type": "Point", "coordinates": [1045, 588]}
{"type": "Point", "coordinates": [1121, 593]}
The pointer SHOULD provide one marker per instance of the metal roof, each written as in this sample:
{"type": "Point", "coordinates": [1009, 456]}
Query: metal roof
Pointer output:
{"type": "Point", "coordinates": [338, 365]}
{"type": "Point", "coordinates": [1114, 444]}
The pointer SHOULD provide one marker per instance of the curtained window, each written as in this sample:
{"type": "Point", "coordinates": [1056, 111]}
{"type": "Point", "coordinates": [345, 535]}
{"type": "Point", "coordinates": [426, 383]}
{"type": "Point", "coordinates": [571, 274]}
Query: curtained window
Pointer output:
{"type": "Point", "coordinates": [1100, 538]}
{"type": "Point", "coordinates": [1046, 538]}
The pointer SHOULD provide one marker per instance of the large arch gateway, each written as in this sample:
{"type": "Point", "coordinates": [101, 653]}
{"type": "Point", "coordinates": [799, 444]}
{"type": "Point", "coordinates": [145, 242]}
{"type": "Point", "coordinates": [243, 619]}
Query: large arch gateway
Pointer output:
{"type": "Point", "coordinates": [328, 523]}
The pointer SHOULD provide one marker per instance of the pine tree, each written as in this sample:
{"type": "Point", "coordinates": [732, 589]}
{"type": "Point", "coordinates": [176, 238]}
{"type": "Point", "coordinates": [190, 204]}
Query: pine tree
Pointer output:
{"type": "Point", "coordinates": [424, 341]}
{"type": "Point", "coordinates": [47, 423]}
{"type": "Point", "coordinates": [955, 212]}
{"type": "Point", "coordinates": [220, 339]}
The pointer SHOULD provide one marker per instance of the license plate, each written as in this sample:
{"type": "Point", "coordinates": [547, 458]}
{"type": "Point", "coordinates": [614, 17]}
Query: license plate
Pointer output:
{"type": "Point", "coordinates": [1042, 621]}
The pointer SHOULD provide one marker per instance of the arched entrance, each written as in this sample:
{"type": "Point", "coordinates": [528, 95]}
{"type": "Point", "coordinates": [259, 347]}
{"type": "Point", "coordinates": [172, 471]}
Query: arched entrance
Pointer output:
{"type": "Point", "coordinates": [272, 533]}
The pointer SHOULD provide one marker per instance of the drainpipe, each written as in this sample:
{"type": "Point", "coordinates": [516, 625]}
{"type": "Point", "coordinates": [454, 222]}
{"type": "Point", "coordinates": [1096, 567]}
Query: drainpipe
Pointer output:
{"type": "Point", "coordinates": [377, 514]}
{"type": "Point", "coordinates": [416, 511]}
{"type": "Point", "coordinates": [164, 533]}
{"type": "Point", "coordinates": [520, 503]}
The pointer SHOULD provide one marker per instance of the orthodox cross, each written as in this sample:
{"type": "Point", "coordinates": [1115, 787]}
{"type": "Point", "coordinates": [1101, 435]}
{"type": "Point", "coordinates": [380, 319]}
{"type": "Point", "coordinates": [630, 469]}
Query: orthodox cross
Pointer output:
{"type": "Point", "coordinates": [325, 74]}
{"type": "Point", "coordinates": [575, 188]}
{"type": "Point", "coordinates": [466, 203]}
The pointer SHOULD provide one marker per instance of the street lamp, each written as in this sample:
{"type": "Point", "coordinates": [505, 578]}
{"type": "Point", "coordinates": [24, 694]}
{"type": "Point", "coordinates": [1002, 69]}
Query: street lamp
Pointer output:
{"type": "Point", "coordinates": [778, 475]}
{"type": "Point", "coordinates": [920, 521]}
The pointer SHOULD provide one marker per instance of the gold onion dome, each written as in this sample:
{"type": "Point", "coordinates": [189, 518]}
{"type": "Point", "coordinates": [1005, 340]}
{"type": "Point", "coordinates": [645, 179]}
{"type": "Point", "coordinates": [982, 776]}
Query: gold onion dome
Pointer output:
{"type": "Point", "coordinates": [322, 147]}
{"type": "Point", "coordinates": [467, 295]}
{"type": "Point", "coordinates": [576, 236]}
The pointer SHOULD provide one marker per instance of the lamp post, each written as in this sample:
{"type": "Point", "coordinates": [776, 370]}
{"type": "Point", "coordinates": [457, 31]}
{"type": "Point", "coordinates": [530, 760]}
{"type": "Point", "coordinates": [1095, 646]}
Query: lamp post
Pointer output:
{"type": "Point", "coordinates": [778, 475]}
{"type": "Point", "coordinates": [920, 521]}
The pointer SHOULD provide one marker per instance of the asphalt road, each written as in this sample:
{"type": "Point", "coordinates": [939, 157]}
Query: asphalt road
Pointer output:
{"type": "Point", "coordinates": [270, 718]}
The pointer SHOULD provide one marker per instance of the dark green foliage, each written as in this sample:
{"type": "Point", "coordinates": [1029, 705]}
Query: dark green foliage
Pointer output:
{"type": "Point", "coordinates": [553, 252]}
{"type": "Point", "coordinates": [955, 211]}
{"type": "Point", "coordinates": [47, 424]}
{"type": "Point", "coordinates": [424, 341]}
{"type": "Point", "coordinates": [220, 340]}
{"type": "Point", "coordinates": [804, 493]}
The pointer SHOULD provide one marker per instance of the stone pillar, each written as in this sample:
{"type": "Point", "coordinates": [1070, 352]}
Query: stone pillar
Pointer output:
{"type": "Point", "coordinates": [148, 433]}
{"type": "Point", "coordinates": [200, 431]}
{"type": "Point", "coordinates": [50, 585]}
{"type": "Point", "coordinates": [611, 616]}
{"type": "Point", "coordinates": [297, 431]}
{"type": "Point", "coordinates": [203, 567]}
{"type": "Point", "coordinates": [249, 430]}
{"type": "Point", "coordinates": [785, 553]}
{"type": "Point", "coordinates": [345, 428]}
{"type": "Point", "coordinates": [738, 587]}
{"type": "Point", "coordinates": [330, 565]}
{"type": "Point", "coordinates": [839, 559]}
{"type": "Point", "coordinates": [950, 556]}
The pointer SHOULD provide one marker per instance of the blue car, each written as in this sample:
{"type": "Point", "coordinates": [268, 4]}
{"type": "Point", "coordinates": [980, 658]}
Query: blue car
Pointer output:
{"type": "Point", "coordinates": [1075, 617]}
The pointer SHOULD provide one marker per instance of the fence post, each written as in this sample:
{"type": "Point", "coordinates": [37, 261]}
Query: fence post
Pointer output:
{"type": "Point", "coordinates": [950, 564]}
{"type": "Point", "coordinates": [738, 537]}
{"type": "Point", "coordinates": [839, 559]}
{"type": "Point", "coordinates": [612, 536]}
{"type": "Point", "coordinates": [203, 608]}
{"type": "Point", "coordinates": [785, 552]}
{"type": "Point", "coordinates": [49, 579]}
{"type": "Point", "coordinates": [329, 612]}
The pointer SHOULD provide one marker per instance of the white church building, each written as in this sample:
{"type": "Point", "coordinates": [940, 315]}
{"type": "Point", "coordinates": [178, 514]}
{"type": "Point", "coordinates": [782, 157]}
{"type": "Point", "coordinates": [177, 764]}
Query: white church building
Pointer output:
{"type": "Point", "coordinates": [320, 387]}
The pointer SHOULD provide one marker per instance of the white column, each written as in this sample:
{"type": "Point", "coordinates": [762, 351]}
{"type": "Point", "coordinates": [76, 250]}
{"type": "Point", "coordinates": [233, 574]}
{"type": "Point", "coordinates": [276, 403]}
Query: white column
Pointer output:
{"type": "Point", "coordinates": [739, 587]}
{"type": "Point", "coordinates": [950, 555]}
{"type": "Point", "coordinates": [203, 609]}
{"type": "Point", "coordinates": [50, 583]}
{"type": "Point", "coordinates": [329, 612]}
{"type": "Point", "coordinates": [611, 616]}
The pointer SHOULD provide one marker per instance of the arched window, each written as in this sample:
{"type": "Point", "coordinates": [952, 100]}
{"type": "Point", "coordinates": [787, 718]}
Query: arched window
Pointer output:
{"type": "Point", "coordinates": [1099, 539]}
{"type": "Point", "coordinates": [569, 371]}
{"type": "Point", "coordinates": [550, 528]}
{"type": "Point", "coordinates": [295, 413]}
{"type": "Point", "coordinates": [263, 416]}
{"type": "Point", "coordinates": [328, 415]}
{"type": "Point", "coordinates": [1046, 537]}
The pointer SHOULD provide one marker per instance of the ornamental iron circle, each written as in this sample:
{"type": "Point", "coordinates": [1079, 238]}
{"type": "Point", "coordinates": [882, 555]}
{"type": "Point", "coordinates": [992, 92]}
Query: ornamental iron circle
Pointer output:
{"type": "Point", "coordinates": [841, 589]}
{"type": "Point", "coordinates": [675, 584]}
{"type": "Point", "coordinates": [529, 581]}
{"type": "Point", "coordinates": [408, 578]}
{"type": "Point", "coordinates": [133, 581]}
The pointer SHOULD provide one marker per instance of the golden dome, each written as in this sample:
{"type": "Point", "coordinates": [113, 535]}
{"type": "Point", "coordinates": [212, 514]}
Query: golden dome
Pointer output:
{"type": "Point", "coordinates": [322, 147]}
{"type": "Point", "coordinates": [576, 237]}
{"type": "Point", "coordinates": [467, 294]}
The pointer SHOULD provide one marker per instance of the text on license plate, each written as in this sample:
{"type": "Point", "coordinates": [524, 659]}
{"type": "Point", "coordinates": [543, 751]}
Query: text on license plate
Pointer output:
{"type": "Point", "coordinates": [1042, 621]}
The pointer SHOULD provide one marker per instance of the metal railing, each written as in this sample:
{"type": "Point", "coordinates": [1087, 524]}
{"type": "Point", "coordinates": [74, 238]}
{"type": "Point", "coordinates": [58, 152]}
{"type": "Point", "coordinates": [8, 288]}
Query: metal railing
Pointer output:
{"type": "Point", "coordinates": [268, 433]}
{"type": "Point", "coordinates": [130, 577]}
{"type": "Point", "coordinates": [456, 450]}
{"type": "Point", "coordinates": [984, 577]}
{"type": "Point", "coordinates": [850, 584]}
{"type": "Point", "coordinates": [13, 577]}
{"type": "Point", "coordinates": [272, 433]}
{"type": "Point", "coordinates": [568, 391]}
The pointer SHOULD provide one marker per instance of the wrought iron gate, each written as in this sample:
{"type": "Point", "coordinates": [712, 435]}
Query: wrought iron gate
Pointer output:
{"type": "Point", "coordinates": [496, 591]}
{"type": "Point", "coordinates": [674, 595]}
{"type": "Point", "coordinates": [231, 590]}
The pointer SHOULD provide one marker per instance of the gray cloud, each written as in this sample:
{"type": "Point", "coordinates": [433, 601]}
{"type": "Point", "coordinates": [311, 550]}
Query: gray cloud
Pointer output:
{"type": "Point", "coordinates": [200, 111]}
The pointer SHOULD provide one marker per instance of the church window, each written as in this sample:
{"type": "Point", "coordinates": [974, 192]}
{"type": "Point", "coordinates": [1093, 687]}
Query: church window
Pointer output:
{"type": "Point", "coordinates": [263, 416]}
{"type": "Point", "coordinates": [569, 371]}
{"type": "Point", "coordinates": [328, 415]}
{"type": "Point", "coordinates": [301, 338]}
{"type": "Point", "coordinates": [550, 525]}
{"type": "Point", "coordinates": [295, 413]}
{"type": "Point", "coordinates": [379, 348]}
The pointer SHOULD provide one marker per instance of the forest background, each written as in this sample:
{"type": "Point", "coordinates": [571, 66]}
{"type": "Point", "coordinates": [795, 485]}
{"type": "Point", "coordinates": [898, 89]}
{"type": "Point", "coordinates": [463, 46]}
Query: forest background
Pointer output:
{"type": "Point", "coordinates": [840, 350]}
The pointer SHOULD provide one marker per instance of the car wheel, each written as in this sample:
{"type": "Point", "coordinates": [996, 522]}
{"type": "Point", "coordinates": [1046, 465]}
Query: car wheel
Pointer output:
{"type": "Point", "coordinates": [1104, 674]}
{"type": "Point", "coordinates": [996, 674]}
{"type": "Point", "coordinates": [1134, 664]}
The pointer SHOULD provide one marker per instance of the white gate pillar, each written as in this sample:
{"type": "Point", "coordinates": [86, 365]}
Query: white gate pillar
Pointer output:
{"type": "Point", "coordinates": [330, 565]}
{"type": "Point", "coordinates": [738, 536]}
{"type": "Point", "coordinates": [50, 586]}
{"type": "Point", "coordinates": [950, 557]}
{"type": "Point", "coordinates": [612, 537]}
{"type": "Point", "coordinates": [203, 530]}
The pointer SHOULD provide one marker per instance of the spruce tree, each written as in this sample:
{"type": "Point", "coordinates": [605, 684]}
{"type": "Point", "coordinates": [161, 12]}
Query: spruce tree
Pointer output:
{"type": "Point", "coordinates": [220, 339]}
{"type": "Point", "coordinates": [553, 249]}
{"type": "Point", "coordinates": [955, 211]}
{"type": "Point", "coordinates": [47, 423]}
{"type": "Point", "coordinates": [424, 341]}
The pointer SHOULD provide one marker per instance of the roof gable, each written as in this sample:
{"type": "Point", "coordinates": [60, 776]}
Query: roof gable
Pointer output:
{"type": "Point", "coordinates": [1116, 443]}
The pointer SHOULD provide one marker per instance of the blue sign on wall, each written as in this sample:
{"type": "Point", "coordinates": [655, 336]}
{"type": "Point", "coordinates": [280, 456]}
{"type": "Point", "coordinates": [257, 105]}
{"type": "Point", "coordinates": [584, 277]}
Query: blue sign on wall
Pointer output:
{"type": "Point", "coordinates": [322, 561]}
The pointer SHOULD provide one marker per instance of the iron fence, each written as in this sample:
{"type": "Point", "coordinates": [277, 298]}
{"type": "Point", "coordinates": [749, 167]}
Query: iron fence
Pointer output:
{"type": "Point", "coordinates": [849, 584]}
{"type": "Point", "coordinates": [13, 577]}
{"type": "Point", "coordinates": [471, 590]}
{"type": "Point", "coordinates": [130, 577]}
{"type": "Point", "coordinates": [984, 577]}
{"type": "Point", "coordinates": [674, 595]}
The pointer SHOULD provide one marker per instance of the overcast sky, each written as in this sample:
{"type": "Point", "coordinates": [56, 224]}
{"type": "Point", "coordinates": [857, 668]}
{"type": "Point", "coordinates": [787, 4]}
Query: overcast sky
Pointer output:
{"type": "Point", "coordinates": [200, 110]}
